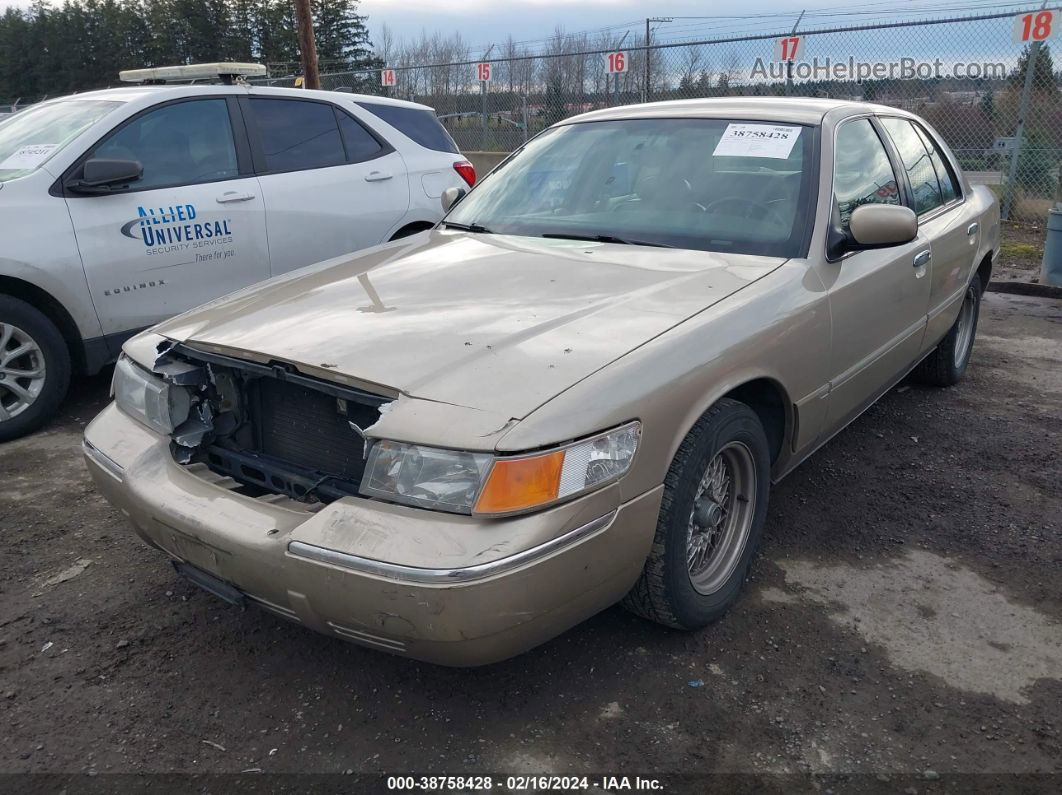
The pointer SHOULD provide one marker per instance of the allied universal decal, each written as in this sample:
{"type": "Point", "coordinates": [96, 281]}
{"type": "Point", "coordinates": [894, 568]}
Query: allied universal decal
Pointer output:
{"type": "Point", "coordinates": [178, 228]}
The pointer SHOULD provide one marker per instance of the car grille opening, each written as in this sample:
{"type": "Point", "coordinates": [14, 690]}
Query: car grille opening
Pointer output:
{"type": "Point", "coordinates": [276, 431]}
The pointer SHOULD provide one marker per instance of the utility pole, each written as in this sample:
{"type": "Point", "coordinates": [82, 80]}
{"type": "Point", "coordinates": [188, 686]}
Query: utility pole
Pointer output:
{"type": "Point", "coordinates": [311, 76]}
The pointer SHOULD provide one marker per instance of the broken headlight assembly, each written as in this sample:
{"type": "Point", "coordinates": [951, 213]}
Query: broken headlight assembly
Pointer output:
{"type": "Point", "coordinates": [157, 404]}
{"type": "Point", "coordinates": [482, 483]}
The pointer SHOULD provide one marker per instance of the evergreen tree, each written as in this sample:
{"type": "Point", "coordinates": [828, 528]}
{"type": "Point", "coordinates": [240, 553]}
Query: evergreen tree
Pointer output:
{"type": "Point", "coordinates": [48, 49]}
{"type": "Point", "coordinates": [1043, 75]}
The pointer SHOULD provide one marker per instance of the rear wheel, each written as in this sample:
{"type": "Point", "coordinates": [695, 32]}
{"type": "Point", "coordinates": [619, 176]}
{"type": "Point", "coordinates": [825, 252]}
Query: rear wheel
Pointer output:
{"type": "Point", "coordinates": [34, 368]}
{"type": "Point", "coordinates": [711, 520]}
{"type": "Point", "coordinates": [946, 365]}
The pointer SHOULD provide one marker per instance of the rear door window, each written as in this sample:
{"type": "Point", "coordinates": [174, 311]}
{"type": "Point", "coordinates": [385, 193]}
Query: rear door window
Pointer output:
{"type": "Point", "coordinates": [360, 143]}
{"type": "Point", "coordinates": [917, 162]}
{"type": "Point", "coordinates": [297, 135]}
{"type": "Point", "coordinates": [418, 124]}
{"type": "Point", "coordinates": [949, 185]}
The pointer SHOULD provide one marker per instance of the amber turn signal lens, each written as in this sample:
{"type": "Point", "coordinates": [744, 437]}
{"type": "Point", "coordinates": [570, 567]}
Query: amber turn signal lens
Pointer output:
{"type": "Point", "coordinates": [521, 483]}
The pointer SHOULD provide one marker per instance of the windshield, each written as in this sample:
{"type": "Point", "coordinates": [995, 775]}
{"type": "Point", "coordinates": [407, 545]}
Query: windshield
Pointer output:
{"type": "Point", "coordinates": [708, 184]}
{"type": "Point", "coordinates": [31, 136]}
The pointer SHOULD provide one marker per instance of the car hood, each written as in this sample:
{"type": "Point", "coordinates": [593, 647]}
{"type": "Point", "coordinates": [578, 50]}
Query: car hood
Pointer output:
{"type": "Point", "coordinates": [490, 322]}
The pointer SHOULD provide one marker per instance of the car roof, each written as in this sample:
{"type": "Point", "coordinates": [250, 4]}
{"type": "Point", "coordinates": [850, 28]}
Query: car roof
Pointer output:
{"type": "Point", "coordinates": [150, 94]}
{"type": "Point", "coordinates": [795, 110]}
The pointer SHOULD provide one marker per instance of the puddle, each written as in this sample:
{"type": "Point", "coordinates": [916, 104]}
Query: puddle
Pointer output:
{"type": "Point", "coordinates": [931, 614]}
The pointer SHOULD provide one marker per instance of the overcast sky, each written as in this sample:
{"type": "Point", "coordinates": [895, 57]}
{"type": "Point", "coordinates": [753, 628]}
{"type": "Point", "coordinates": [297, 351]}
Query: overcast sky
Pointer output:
{"type": "Point", "coordinates": [487, 21]}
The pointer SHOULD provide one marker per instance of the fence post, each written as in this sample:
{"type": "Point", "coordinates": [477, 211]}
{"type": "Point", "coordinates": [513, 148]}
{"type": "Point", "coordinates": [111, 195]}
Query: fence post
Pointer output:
{"type": "Point", "coordinates": [645, 93]}
{"type": "Point", "coordinates": [483, 90]}
{"type": "Point", "coordinates": [483, 140]}
{"type": "Point", "coordinates": [1019, 132]}
{"type": "Point", "coordinates": [789, 63]}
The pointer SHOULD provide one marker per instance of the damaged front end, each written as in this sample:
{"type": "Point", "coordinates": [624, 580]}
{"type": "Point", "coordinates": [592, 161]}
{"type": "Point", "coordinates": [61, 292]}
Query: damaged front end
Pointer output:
{"type": "Point", "coordinates": [270, 428]}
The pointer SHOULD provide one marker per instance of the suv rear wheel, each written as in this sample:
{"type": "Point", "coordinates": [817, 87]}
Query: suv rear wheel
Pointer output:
{"type": "Point", "coordinates": [34, 368]}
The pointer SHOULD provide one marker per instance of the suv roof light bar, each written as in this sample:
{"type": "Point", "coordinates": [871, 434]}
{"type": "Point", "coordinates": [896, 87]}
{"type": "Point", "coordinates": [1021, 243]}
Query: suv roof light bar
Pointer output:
{"type": "Point", "coordinates": [228, 73]}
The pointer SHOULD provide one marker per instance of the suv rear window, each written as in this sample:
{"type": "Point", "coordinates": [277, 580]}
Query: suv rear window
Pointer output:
{"type": "Point", "coordinates": [297, 134]}
{"type": "Point", "coordinates": [419, 125]}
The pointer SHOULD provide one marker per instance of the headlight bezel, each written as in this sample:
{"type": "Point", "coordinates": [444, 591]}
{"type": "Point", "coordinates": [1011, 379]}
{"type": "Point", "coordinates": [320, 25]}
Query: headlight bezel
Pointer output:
{"type": "Point", "coordinates": [566, 490]}
{"type": "Point", "coordinates": [161, 406]}
{"type": "Point", "coordinates": [402, 454]}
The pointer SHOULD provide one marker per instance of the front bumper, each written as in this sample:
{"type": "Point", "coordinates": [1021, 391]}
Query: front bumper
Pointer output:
{"type": "Point", "coordinates": [455, 590]}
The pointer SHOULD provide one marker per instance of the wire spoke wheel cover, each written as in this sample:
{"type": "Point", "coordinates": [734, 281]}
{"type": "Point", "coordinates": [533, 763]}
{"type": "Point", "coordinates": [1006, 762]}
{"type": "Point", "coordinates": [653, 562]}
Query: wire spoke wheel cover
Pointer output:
{"type": "Point", "coordinates": [721, 517]}
{"type": "Point", "coordinates": [22, 371]}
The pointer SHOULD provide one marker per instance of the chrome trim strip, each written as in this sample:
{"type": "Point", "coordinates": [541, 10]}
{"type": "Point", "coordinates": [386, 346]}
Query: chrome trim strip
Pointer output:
{"type": "Point", "coordinates": [103, 461]}
{"type": "Point", "coordinates": [286, 612]}
{"type": "Point", "coordinates": [415, 574]}
{"type": "Point", "coordinates": [364, 637]}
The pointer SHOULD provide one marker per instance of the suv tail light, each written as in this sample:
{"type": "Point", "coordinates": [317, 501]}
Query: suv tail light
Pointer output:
{"type": "Point", "coordinates": [467, 171]}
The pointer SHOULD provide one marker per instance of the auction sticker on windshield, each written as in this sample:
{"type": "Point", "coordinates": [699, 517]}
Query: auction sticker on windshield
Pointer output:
{"type": "Point", "coordinates": [757, 140]}
{"type": "Point", "coordinates": [29, 156]}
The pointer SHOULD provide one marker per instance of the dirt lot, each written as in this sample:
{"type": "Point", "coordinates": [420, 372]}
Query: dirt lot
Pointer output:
{"type": "Point", "coordinates": [904, 620]}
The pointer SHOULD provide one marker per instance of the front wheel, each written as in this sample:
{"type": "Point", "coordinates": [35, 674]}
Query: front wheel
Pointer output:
{"type": "Point", "coordinates": [711, 519]}
{"type": "Point", "coordinates": [946, 364]}
{"type": "Point", "coordinates": [34, 368]}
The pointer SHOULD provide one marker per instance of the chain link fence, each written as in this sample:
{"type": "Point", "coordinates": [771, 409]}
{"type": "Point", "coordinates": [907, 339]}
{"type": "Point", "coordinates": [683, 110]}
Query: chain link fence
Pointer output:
{"type": "Point", "coordinates": [969, 76]}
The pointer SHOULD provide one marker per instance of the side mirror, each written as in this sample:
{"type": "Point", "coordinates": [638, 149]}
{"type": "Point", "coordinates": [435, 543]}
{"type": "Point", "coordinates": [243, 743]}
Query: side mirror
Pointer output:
{"type": "Point", "coordinates": [881, 225]}
{"type": "Point", "coordinates": [451, 196]}
{"type": "Point", "coordinates": [101, 176]}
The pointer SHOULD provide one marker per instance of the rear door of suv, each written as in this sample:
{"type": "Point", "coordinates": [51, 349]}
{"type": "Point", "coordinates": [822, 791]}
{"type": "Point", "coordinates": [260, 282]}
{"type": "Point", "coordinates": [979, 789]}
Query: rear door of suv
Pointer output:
{"type": "Point", "coordinates": [330, 185]}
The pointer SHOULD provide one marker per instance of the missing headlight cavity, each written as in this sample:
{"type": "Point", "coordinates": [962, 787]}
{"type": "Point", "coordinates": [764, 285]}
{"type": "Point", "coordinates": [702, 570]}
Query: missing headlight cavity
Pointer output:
{"type": "Point", "coordinates": [269, 427]}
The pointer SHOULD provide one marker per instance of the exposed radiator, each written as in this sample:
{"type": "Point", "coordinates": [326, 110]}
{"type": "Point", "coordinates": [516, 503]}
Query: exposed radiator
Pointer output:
{"type": "Point", "coordinates": [310, 429]}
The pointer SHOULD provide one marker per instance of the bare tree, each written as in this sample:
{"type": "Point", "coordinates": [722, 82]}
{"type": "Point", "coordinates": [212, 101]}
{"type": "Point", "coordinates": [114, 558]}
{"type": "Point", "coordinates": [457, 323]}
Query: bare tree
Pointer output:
{"type": "Point", "coordinates": [691, 65]}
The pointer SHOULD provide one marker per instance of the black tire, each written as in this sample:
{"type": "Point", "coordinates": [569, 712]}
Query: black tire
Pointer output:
{"type": "Point", "coordinates": [56, 355]}
{"type": "Point", "coordinates": [665, 592]}
{"type": "Point", "coordinates": [946, 364]}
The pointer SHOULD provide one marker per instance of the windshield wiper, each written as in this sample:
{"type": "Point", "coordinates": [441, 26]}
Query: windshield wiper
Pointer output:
{"type": "Point", "coordinates": [605, 239]}
{"type": "Point", "coordinates": [474, 228]}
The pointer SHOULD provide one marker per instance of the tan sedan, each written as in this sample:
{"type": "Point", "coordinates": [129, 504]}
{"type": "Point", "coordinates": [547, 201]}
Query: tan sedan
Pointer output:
{"type": "Point", "coordinates": [576, 390]}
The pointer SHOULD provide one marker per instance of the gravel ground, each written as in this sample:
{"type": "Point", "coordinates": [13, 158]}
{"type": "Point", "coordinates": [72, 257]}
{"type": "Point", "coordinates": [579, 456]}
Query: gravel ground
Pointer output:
{"type": "Point", "coordinates": [903, 621]}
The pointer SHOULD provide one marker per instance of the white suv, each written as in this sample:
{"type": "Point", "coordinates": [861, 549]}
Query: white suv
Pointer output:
{"type": "Point", "coordinates": [120, 208]}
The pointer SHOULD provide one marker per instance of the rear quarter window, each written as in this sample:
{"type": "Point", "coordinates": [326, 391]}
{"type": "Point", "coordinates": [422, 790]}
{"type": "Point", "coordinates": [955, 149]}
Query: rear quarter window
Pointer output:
{"type": "Point", "coordinates": [419, 125]}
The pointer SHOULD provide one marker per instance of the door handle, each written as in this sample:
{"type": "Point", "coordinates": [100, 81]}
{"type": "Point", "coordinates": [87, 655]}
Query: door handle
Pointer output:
{"type": "Point", "coordinates": [233, 196]}
{"type": "Point", "coordinates": [972, 228]}
{"type": "Point", "coordinates": [377, 176]}
{"type": "Point", "coordinates": [923, 258]}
